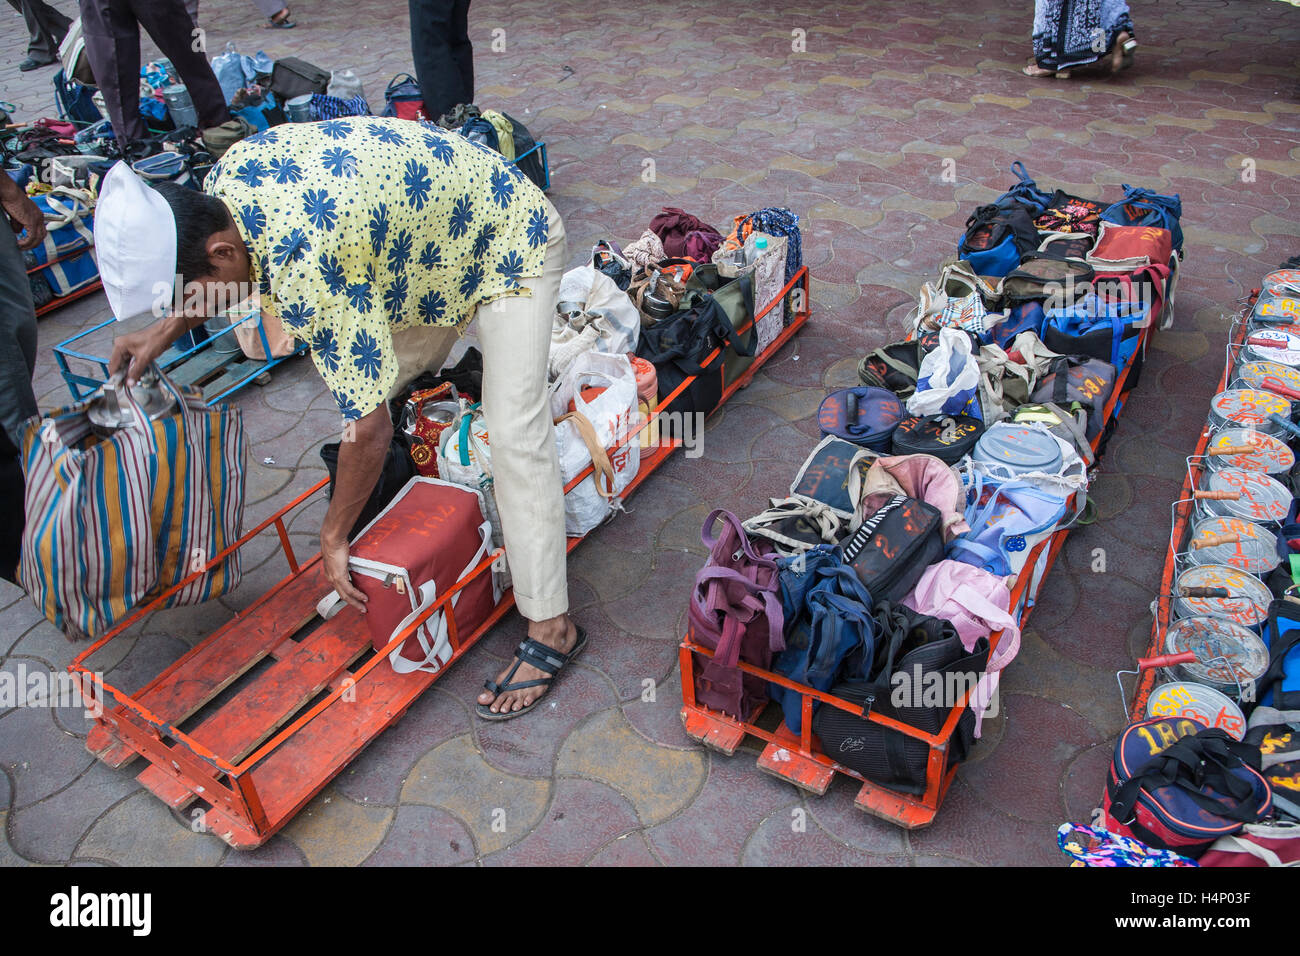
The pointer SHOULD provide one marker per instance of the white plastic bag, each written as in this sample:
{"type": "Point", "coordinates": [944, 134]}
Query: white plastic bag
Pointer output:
{"type": "Point", "coordinates": [345, 85]}
{"type": "Point", "coordinates": [611, 415]}
{"type": "Point", "coordinates": [600, 296]}
{"type": "Point", "coordinates": [949, 378]}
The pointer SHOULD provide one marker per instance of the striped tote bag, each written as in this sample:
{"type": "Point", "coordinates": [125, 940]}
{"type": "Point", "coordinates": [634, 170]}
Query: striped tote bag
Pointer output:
{"type": "Point", "coordinates": [114, 521]}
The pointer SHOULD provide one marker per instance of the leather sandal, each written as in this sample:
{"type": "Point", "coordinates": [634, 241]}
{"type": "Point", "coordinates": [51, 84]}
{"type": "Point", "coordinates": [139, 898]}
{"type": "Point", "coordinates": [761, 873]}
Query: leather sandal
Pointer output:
{"type": "Point", "coordinates": [546, 659]}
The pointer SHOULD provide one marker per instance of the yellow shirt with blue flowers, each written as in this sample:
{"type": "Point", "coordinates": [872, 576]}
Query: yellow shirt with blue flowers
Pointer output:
{"type": "Point", "coordinates": [363, 226]}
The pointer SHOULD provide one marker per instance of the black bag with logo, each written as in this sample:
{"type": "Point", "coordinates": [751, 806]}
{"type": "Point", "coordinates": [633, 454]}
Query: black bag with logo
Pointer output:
{"type": "Point", "coordinates": [921, 670]}
{"type": "Point", "coordinates": [891, 549]}
{"type": "Point", "coordinates": [949, 438]}
{"type": "Point", "coordinates": [1078, 381]}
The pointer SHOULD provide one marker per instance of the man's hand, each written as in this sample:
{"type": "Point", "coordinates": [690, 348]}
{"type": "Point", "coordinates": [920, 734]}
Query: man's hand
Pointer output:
{"type": "Point", "coordinates": [136, 351]}
{"type": "Point", "coordinates": [23, 214]}
{"type": "Point", "coordinates": [361, 459]}
{"type": "Point", "coordinates": [334, 556]}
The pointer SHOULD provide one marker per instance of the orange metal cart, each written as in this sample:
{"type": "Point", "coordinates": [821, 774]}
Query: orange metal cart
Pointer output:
{"type": "Point", "coordinates": [800, 759]}
{"type": "Point", "coordinates": [254, 751]}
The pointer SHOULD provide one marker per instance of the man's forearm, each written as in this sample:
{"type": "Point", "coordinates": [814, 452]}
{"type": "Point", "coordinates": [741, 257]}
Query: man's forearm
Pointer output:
{"type": "Point", "coordinates": [10, 191]}
{"type": "Point", "coordinates": [360, 463]}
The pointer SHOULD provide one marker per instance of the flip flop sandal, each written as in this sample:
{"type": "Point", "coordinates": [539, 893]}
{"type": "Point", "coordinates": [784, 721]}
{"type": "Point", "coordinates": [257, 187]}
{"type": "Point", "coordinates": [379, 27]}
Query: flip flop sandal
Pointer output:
{"type": "Point", "coordinates": [285, 24]}
{"type": "Point", "coordinates": [546, 659]}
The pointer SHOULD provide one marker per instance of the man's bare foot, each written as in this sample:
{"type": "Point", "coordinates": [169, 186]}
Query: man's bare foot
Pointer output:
{"type": "Point", "coordinates": [558, 633]}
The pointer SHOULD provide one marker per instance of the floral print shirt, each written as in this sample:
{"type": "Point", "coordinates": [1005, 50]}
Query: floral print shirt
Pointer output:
{"type": "Point", "coordinates": [363, 226]}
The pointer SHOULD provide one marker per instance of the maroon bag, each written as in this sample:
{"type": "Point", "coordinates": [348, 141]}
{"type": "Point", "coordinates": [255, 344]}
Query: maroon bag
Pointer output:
{"type": "Point", "coordinates": [736, 612]}
{"type": "Point", "coordinates": [684, 235]}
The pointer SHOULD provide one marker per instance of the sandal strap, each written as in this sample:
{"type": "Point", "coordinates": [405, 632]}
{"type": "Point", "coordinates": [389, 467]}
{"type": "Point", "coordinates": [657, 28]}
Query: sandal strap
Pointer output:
{"type": "Point", "coordinates": [545, 659]}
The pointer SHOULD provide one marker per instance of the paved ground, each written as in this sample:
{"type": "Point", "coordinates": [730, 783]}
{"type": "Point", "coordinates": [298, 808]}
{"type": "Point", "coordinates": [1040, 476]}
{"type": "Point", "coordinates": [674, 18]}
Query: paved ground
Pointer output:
{"type": "Point", "coordinates": [856, 134]}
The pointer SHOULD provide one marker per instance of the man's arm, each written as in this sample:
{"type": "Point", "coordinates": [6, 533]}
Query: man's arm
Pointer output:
{"type": "Point", "coordinates": [22, 212]}
{"type": "Point", "coordinates": [361, 460]}
{"type": "Point", "coordinates": [136, 351]}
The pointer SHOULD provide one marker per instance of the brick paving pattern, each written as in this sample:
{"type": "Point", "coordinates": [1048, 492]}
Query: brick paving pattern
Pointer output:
{"type": "Point", "coordinates": [853, 134]}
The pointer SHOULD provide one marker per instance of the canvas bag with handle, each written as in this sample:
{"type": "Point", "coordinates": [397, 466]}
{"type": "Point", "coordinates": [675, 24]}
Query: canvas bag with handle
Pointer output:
{"type": "Point", "coordinates": [735, 611]}
{"type": "Point", "coordinates": [595, 409]}
{"type": "Point", "coordinates": [114, 520]}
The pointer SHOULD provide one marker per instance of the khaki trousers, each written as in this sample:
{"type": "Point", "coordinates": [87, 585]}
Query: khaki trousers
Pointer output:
{"type": "Point", "coordinates": [515, 336]}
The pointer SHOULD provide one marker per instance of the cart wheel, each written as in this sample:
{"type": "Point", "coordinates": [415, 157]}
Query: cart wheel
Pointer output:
{"type": "Point", "coordinates": [263, 379]}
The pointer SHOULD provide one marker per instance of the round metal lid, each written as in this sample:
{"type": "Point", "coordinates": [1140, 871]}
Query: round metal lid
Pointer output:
{"type": "Point", "coordinates": [1286, 350]}
{"type": "Point", "coordinates": [1262, 498]}
{"type": "Point", "coordinates": [1197, 702]}
{"type": "Point", "coordinates": [1271, 455]}
{"type": "Point", "coordinates": [1215, 641]}
{"type": "Point", "coordinates": [1253, 551]}
{"type": "Point", "coordinates": [1281, 282]}
{"type": "Point", "coordinates": [1256, 374]}
{"type": "Point", "coordinates": [1248, 606]}
{"type": "Point", "coordinates": [1248, 406]}
{"type": "Point", "coordinates": [1019, 449]}
{"type": "Point", "coordinates": [106, 412]}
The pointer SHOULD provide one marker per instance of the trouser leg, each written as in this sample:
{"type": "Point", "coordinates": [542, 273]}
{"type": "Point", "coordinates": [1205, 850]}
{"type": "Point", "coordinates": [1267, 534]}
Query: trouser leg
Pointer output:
{"type": "Point", "coordinates": [113, 48]}
{"type": "Point", "coordinates": [17, 337]}
{"type": "Point", "coordinates": [515, 334]}
{"type": "Point", "coordinates": [46, 27]}
{"type": "Point", "coordinates": [431, 48]}
{"type": "Point", "coordinates": [17, 401]}
{"type": "Point", "coordinates": [462, 50]}
{"type": "Point", "coordinates": [172, 28]}
{"type": "Point", "coordinates": [420, 349]}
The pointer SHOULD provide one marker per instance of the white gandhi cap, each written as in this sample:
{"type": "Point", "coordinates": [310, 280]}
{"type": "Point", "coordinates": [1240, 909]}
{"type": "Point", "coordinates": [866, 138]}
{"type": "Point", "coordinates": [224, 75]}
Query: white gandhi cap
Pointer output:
{"type": "Point", "coordinates": [135, 243]}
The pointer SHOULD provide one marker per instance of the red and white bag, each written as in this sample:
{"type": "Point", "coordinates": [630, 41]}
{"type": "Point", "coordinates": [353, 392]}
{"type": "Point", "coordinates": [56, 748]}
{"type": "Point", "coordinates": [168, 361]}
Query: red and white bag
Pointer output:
{"type": "Point", "coordinates": [428, 538]}
{"type": "Point", "coordinates": [1257, 844]}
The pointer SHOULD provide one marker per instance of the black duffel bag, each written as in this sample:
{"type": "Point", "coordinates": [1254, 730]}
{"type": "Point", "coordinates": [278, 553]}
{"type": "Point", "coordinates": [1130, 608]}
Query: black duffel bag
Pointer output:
{"type": "Point", "coordinates": [922, 651]}
{"type": "Point", "coordinates": [679, 344]}
{"type": "Point", "coordinates": [399, 468]}
{"type": "Point", "coordinates": [292, 77]}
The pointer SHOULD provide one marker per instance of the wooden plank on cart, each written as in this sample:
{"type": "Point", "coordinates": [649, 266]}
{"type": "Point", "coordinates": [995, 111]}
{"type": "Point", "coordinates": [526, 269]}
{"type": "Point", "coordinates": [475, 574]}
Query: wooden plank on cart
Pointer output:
{"type": "Point", "coordinates": [268, 702]}
{"type": "Point", "coordinates": [204, 672]}
{"type": "Point", "coordinates": [781, 758]}
{"type": "Point", "coordinates": [300, 767]}
{"type": "Point", "coordinates": [200, 366]}
{"type": "Point", "coordinates": [236, 373]}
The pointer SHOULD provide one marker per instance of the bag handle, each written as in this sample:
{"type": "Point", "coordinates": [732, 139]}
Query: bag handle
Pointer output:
{"type": "Point", "coordinates": [1193, 764]}
{"type": "Point", "coordinates": [710, 540]}
{"type": "Point", "coordinates": [398, 80]}
{"type": "Point", "coordinates": [599, 456]}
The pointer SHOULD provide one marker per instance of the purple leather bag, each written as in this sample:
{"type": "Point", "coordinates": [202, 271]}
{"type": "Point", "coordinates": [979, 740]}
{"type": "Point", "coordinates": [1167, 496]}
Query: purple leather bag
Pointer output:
{"type": "Point", "coordinates": [736, 612]}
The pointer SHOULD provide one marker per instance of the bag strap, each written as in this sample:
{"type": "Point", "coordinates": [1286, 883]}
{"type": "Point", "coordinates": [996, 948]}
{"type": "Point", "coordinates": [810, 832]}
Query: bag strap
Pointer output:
{"type": "Point", "coordinates": [1193, 764]}
{"type": "Point", "coordinates": [599, 456]}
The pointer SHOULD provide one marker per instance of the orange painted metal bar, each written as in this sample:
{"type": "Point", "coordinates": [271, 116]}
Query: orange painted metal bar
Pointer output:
{"type": "Point", "coordinates": [286, 546]}
{"type": "Point", "coordinates": [1182, 520]}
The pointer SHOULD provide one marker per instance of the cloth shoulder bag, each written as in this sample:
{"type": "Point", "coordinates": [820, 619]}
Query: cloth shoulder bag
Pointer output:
{"type": "Point", "coordinates": [736, 612]}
